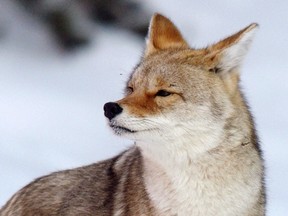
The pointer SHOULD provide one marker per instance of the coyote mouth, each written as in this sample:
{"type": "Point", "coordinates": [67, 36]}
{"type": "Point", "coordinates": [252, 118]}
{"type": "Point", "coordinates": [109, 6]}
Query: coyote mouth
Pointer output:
{"type": "Point", "coordinates": [120, 129]}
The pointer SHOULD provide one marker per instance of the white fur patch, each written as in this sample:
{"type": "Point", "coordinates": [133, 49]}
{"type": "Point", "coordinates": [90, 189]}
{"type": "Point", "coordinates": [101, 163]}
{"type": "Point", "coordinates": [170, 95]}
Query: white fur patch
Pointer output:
{"type": "Point", "coordinates": [234, 55]}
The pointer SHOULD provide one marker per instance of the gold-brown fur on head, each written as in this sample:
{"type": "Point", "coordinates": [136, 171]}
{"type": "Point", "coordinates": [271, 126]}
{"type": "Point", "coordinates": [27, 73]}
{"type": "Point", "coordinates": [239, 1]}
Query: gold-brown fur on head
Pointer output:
{"type": "Point", "coordinates": [168, 57]}
{"type": "Point", "coordinates": [224, 56]}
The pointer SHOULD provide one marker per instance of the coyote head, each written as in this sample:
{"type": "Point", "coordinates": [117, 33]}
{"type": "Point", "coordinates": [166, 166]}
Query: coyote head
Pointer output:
{"type": "Point", "coordinates": [180, 93]}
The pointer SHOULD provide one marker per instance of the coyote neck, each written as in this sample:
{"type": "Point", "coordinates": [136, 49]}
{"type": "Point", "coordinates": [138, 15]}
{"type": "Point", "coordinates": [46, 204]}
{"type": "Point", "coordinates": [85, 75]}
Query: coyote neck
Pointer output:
{"type": "Point", "coordinates": [178, 153]}
{"type": "Point", "coordinates": [175, 175]}
{"type": "Point", "coordinates": [187, 143]}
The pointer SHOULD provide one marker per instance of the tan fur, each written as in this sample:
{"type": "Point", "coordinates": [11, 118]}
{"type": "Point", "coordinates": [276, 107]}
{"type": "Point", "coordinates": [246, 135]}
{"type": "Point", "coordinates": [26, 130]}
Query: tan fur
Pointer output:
{"type": "Point", "coordinates": [163, 34]}
{"type": "Point", "coordinates": [196, 151]}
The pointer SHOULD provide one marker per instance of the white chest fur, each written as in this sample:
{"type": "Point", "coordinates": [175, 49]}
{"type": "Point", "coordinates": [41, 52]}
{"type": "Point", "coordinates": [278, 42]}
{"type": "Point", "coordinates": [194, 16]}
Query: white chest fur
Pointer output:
{"type": "Point", "coordinates": [219, 183]}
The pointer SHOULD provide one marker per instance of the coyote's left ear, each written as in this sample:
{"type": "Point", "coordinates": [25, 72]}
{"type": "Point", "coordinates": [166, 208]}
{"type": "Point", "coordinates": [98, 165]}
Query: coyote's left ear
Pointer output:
{"type": "Point", "coordinates": [163, 34]}
{"type": "Point", "coordinates": [227, 55]}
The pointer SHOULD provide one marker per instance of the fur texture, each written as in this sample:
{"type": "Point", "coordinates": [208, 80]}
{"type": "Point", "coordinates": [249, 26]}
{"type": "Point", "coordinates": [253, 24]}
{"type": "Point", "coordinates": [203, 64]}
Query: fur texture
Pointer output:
{"type": "Point", "coordinates": [196, 151]}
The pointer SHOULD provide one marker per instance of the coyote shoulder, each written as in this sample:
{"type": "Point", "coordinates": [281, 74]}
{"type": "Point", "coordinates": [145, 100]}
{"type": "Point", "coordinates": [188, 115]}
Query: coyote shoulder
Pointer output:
{"type": "Point", "coordinates": [196, 150]}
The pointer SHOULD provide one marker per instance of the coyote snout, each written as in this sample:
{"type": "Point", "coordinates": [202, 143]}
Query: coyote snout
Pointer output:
{"type": "Point", "coordinates": [111, 110]}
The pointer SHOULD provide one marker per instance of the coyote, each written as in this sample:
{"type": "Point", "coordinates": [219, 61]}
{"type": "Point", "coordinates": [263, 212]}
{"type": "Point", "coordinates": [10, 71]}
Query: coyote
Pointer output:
{"type": "Point", "coordinates": [196, 150]}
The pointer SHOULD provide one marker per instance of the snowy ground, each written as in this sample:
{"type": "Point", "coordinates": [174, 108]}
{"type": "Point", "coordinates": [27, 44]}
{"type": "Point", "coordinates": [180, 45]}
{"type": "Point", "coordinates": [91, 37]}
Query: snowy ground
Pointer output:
{"type": "Point", "coordinates": [51, 114]}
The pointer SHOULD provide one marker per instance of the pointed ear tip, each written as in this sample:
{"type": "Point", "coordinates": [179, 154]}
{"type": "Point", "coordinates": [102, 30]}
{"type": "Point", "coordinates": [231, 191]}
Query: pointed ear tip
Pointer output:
{"type": "Point", "coordinates": [251, 30]}
{"type": "Point", "coordinates": [157, 16]}
{"type": "Point", "coordinates": [253, 26]}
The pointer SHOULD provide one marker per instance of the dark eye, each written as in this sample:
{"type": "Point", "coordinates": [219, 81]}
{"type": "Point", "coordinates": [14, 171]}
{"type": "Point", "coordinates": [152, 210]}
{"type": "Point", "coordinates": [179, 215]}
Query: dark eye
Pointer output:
{"type": "Point", "coordinates": [163, 93]}
{"type": "Point", "coordinates": [129, 90]}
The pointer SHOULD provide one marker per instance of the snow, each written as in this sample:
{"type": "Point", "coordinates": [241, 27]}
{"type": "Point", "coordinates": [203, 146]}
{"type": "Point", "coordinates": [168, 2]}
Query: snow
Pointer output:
{"type": "Point", "coordinates": [51, 115]}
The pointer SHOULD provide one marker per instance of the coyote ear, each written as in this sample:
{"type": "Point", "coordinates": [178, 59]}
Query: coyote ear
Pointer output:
{"type": "Point", "coordinates": [163, 34]}
{"type": "Point", "coordinates": [229, 53]}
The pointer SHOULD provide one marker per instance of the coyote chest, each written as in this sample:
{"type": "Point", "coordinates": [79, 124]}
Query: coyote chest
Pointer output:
{"type": "Point", "coordinates": [202, 188]}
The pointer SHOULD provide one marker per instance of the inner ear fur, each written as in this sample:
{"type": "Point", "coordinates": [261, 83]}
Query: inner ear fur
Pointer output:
{"type": "Point", "coordinates": [227, 55]}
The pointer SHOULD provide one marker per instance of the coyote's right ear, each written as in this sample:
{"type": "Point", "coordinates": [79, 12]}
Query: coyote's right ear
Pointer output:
{"type": "Point", "coordinates": [163, 34]}
{"type": "Point", "coordinates": [229, 53]}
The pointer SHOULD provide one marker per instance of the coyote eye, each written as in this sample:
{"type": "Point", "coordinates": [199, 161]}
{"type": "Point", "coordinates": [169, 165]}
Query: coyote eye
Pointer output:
{"type": "Point", "coordinates": [129, 90]}
{"type": "Point", "coordinates": [163, 93]}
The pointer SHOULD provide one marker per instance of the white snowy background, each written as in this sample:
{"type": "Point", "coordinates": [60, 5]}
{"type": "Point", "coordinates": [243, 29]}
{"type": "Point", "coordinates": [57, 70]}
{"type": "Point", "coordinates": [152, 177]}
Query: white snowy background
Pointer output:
{"type": "Point", "coordinates": [51, 115]}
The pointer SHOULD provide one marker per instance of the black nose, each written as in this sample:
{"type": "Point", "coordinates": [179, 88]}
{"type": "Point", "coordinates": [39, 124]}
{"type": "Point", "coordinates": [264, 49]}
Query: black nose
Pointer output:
{"type": "Point", "coordinates": [111, 110]}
